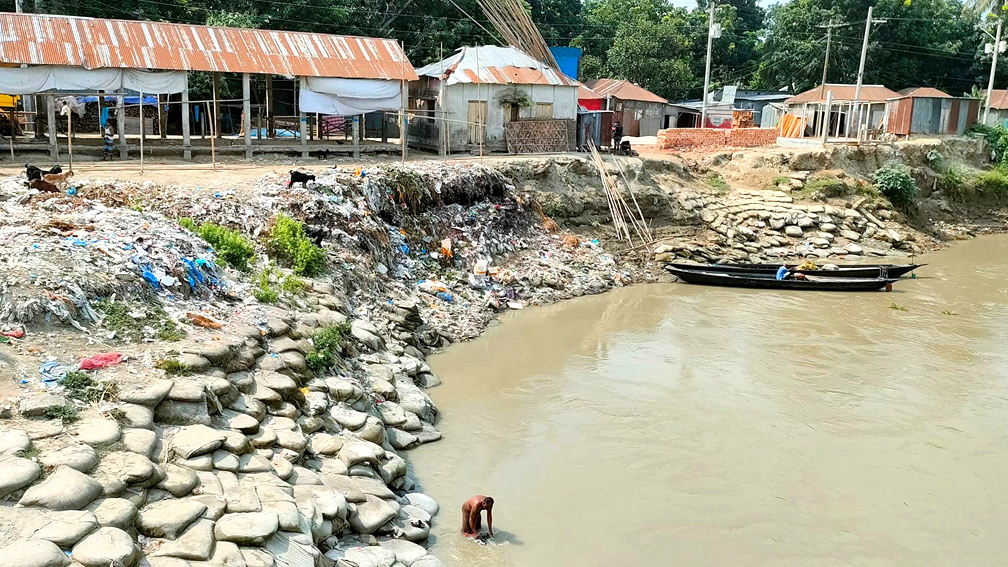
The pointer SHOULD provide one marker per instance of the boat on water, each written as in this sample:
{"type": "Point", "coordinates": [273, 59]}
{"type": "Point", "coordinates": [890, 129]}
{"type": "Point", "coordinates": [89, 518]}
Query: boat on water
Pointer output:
{"type": "Point", "coordinates": [700, 275]}
{"type": "Point", "coordinates": [841, 271]}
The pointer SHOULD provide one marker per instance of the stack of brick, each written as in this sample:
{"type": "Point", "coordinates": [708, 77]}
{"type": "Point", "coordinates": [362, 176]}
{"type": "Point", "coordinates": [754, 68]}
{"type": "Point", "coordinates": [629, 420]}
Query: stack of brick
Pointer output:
{"type": "Point", "coordinates": [681, 138]}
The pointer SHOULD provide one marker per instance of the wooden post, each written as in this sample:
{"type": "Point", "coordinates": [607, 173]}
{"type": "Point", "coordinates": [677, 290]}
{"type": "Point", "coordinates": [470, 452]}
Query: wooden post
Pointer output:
{"type": "Point", "coordinates": [51, 117]}
{"type": "Point", "coordinates": [186, 141]}
{"type": "Point", "coordinates": [384, 127]}
{"type": "Point", "coordinates": [826, 116]}
{"type": "Point", "coordinates": [303, 128]}
{"type": "Point", "coordinates": [143, 134]}
{"type": "Point", "coordinates": [215, 128]}
{"type": "Point", "coordinates": [405, 120]}
{"type": "Point", "coordinates": [163, 116]}
{"type": "Point", "coordinates": [13, 132]}
{"type": "Point", "coordinates": [259, 123]}
{"type": "Point", "coordinates": [270, 124]}
{"type": "Point", "coordinates": [70, 135]}
{"type": "Point", "coordinates": [121, 126]}
{"type": "Point", "coordinates": [247, 114]}
{"type": "Point", "coordinates": [355, 122]}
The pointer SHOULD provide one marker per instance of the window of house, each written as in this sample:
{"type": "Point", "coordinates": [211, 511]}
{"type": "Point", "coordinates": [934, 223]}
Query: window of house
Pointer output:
{"type": "Point", "coordinates": [477, 121]}
{"type": "Point", "coordinates": [544, 110]}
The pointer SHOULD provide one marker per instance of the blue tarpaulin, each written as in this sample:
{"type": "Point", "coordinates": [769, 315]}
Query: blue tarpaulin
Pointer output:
{"type": "Point", "coordinates": [567, 58]}
{"type": "Point", "coordinates": [126, 99]}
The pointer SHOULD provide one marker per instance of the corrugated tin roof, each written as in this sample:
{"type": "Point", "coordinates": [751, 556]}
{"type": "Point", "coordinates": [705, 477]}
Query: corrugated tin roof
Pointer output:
{"type": "Point", "coordinates": [999, 99]}
{"type": "Point", "coordinates": [584, 93]}
{"type": "Point", "coordinates": [623, 90]}
{"type": "Point", "coordinates": [924, 92]}
{"type": "Point", "coordinates": [489, 64]}
{"type": "Point", "coordinates": [38, 39]}
{"type": "Point", "coordinates": [869, 93]}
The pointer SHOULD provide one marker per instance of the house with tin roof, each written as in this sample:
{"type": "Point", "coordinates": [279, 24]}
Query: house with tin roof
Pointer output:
{"type": "Point", "coordinates": [641, 112]}
{"type": "Point", "coordinates": [464, 103]}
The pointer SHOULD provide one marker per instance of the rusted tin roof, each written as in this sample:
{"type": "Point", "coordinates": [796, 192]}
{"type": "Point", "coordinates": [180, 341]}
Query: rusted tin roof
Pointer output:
{"type": "Point", "coordinates": [489, 64]}
{"type": "Point", "coordinates": [923, 92]}
{"type": "Point", "coordinates": [623, 90]}
{"type": "Point", "coordinates": [39, 39]}
{"type": "Point", "coordinates": [869, 93]}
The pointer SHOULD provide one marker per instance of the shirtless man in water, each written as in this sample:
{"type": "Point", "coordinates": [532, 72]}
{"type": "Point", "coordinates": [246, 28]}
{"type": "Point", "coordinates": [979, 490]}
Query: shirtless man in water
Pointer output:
{"type": "Point", "coordinates": [471, 515]}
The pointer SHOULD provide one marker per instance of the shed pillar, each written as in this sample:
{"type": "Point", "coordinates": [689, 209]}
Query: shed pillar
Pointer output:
{"type": "Point", "coordinates": [405, 118]}
{"type": "Point", "coordinates": [163, 116]}
{"type": "Point", "coordinates": [270, 128]}
{"type": "Point", "coordinates": [356, 123]}
{"type": "Point", "coordinates": [303, 122]}
{"type": "Point", "coordinates": [121, 126]}
{"type": "Point", "coordinates": [216, 128]}
{"type": "Point", "coordinates": [247, 114]}
{"type": "Point", "coordinates": [186, 140]}
{"type": "Point", "coordinates": [51, 118]}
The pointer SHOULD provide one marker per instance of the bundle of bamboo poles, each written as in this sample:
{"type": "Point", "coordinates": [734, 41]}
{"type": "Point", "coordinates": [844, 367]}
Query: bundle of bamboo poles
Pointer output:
{"type": "Point", "coordinates": [515, 25]}
{"type": "Point", "coordinates": [618, 206]}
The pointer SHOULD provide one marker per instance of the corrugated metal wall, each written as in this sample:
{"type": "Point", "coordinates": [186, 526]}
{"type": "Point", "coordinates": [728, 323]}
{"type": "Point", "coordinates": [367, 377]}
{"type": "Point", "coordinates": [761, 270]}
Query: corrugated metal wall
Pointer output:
{"type": "Point", "coordinates": [931, 116]}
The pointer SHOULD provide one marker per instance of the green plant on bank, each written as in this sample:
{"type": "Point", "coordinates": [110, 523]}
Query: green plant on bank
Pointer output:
{"type": "Point", "coordinates": [715, 180]}
{"type": "Point", "coordinates": [992, 183]}
{"type": "Point", "coordinates": [556, 210]}
{"type": "Point", "coordinates": [781, 180]}
{"type": "Point", "coordinates": [896, 183]}
{"type": "Point", "coordinates": [997, 139]}
{"type": "Point", "coordinates": [172, 366]}
{"type": "Point", "coordinates": [327, 346]}
{"type": "Point", "coordinates": [29, 453]}
{"type": "Point", "coordinates": [232, 249]}
{"type": "Point", "coordinates": [67, 413]}
{"type": "Point", "coordinates": [289, 243]}
{"type": "Point", "coordinates": [934, 158]}
{"type": "Point", "coordinates": [81, 386]}
{"type": "Point", "coordinates": [293, 285]}
{"type": "Point", "coordinates": [131, 320]}
{"type": "Point", "coordinates": [263, 291]}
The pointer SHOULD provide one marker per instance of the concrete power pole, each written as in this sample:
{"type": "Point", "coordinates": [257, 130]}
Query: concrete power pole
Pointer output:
{"type": "Point", "coordinates": [706, 83]}
{"type": "Point", "coordinates": [864, 54]}
{"type": "Point", "coordinates": [990, 82]}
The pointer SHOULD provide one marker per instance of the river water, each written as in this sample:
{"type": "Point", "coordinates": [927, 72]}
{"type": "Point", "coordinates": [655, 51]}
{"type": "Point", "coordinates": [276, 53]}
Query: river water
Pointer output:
{"type": "Point", "coordinates": [686, 425]}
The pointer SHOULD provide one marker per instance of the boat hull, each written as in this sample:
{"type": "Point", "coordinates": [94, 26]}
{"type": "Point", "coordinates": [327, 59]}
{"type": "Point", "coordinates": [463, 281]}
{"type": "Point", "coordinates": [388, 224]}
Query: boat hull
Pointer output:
{"type": "Point", "coordinates": [844, 271]}
{"type": "Point", "coordinates": [764, 281]}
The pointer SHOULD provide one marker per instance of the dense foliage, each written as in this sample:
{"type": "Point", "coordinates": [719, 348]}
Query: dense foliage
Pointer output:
{"type": "Point", "coordinates": [896, 183]}
{"type": "Point", "coordinates": [656, 43]}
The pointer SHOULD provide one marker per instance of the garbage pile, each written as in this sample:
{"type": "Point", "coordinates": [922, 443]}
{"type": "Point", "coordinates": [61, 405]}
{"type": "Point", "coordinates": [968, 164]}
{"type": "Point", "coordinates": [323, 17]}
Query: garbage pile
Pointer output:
{"type": "Point", "coordinates": [61, 252]}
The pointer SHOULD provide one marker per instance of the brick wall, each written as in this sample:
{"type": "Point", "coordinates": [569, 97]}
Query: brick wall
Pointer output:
{"type": "Point", "coordinates": [681, 138]}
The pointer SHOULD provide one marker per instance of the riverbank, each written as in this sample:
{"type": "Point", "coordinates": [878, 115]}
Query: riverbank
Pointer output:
{"type": "Point", "coordinates": [266, 360]}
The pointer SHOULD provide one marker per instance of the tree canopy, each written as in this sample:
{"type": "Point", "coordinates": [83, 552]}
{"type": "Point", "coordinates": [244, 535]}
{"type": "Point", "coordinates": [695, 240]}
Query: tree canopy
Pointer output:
{"type": "Point", "coordinates": [657, 44]}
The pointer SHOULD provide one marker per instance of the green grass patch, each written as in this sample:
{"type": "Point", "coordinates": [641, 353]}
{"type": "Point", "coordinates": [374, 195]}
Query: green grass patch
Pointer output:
{"type": "Point", "coordinates": [327, 347]}
{"type": "Point", "coordinates": [717, 182]}
{"type": "Point", "coordinates": [29, 453]}
{"type": "Point", "coordinates": [172, 366]}
{"type": "Point", "coordinates": [263, 291]}
{"type": "Point", "coordinates": [289, 244]}
{"type": "Point", "coordinates": [230, 246]}
{"type": "Point", "coordinates": [66, 414]}
{"type": "Point", "coordinates": [293, 285]}
{"type": "Point", "coordinates": [134, 321]}
{"type": "Point", "coordinates": [82, 386]}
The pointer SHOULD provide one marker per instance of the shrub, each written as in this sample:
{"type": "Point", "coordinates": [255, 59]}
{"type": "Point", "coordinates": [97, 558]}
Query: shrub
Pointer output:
{"type": "Point", "coordinates": [231, 247]}
{"type": "Point", "coordinates": [717, 182]}
{"type": "Point", "coordinates": [67, 413]}
{"type": "Point", "coordinates": [955, 183]}
{"type": "Point", "coordinates": [993, 183]}
{"type": "Point", "coordinates": [263, 291]}
{"type": "Point", "coordinates": [133, 321]}
{"type": "Point", "coordinates": [997, 139]}
{"type": "Point", "coordinates": [293, 285]}
{"type": "Point", "coordinates": [289, 243]}
{"type": "Point", "coordinates": [896, 183]}
{"type": "Point", "coordinates": [172, 366]}
{"type": "Point", "coordinates": [327, 347]}
{"type": "Point", "coordinates": [81, 386]}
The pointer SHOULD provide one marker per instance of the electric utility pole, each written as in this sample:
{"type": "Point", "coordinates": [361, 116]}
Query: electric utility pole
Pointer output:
{"type": "Point", "coordinates": [995, 48]}
{"type": "Point", "coordinates": [864, 54]}
{"type": "Point", "coordinates": [713, 30]}
{"type": "Point", "coordinates": [829, 40]}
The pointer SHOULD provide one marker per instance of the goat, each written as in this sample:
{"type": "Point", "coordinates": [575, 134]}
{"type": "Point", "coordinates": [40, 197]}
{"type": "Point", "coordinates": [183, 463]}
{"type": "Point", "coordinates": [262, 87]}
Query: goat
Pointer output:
{"type": "Point", "coordinates": [58, 179]}
{"type": "Point", "coordinates": [322, 154]}
{"type": "Point", "coordinates": [36, 173]}
{"type": "Point", "coordinates": [43, 186]}
{"type": "Point", "coordinates": [299, 177]}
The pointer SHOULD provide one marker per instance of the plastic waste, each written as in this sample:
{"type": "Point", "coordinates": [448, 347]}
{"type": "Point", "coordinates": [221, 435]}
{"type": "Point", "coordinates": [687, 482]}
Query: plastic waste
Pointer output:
{"type": "Point", "coordinates": [99, 361]}
{"type": "Point", "coordinates": [431, 287]}
{"type": "Point", "coordinates": [444, 295]}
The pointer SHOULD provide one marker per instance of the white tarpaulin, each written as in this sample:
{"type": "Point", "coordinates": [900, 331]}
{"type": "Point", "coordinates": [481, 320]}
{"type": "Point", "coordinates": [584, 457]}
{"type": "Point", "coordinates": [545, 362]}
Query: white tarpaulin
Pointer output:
{"type": "Point", "coordinates": [31, 80]}
{"type": "Point", "coordinates": [347, 97]}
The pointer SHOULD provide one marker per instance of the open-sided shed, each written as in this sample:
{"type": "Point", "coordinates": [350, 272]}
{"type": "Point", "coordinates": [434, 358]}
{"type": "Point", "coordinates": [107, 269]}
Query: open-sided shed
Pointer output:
{"type": "Point", "coordinates": [338, 75]}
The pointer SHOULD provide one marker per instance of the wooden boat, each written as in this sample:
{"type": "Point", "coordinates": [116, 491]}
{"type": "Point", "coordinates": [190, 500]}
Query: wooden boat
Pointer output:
{"type": "Point", "coordinates": [842, 271]}
{"type": "Point", "coordinates": [699, 275]}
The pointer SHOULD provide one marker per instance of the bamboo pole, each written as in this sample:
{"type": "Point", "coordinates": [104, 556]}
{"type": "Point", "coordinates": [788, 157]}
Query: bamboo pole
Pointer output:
{"type": "Point", "coordinates": [213, 126]}
{"type": "Point", "coordinates": [69, 135]}
{"type": "Point", "coordinates": [141, 133]}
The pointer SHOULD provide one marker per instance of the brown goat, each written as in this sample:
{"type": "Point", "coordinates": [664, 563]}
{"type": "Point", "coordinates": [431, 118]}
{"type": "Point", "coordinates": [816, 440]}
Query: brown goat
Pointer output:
{"type": "Point", "coordinates": [58, 179]}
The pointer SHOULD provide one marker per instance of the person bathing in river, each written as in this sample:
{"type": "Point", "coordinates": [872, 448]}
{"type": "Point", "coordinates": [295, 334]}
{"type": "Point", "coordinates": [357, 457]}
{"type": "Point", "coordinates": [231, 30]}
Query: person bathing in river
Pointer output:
{"type": "Point", "coordinates": [471, 515]}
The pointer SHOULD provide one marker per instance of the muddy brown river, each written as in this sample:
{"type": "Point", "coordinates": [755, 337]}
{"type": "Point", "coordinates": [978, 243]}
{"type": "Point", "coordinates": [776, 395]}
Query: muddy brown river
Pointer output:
{"type": "Point", "coordinates": [686, 425]}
